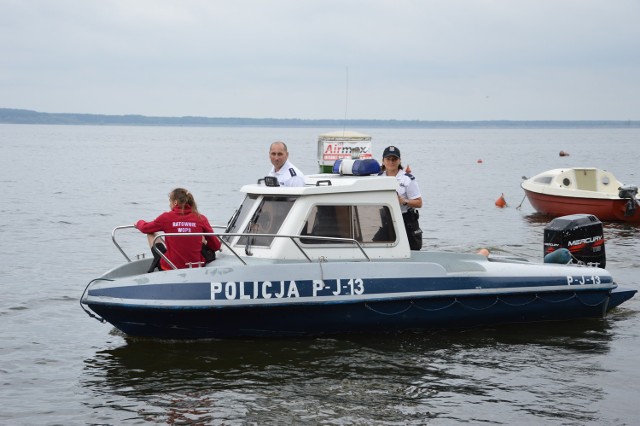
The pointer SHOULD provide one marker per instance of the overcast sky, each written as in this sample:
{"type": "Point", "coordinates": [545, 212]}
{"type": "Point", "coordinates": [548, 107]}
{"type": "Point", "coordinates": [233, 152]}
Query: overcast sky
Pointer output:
{"type": "Point", "coordinates": [385, 59]}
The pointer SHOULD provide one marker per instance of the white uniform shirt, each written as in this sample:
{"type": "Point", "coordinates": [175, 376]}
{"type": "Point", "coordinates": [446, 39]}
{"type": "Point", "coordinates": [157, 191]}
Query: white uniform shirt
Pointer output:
{"type": "Point", "coordinates": [289, 175]}
{"type": "Point", "coordinates": [407, 187]}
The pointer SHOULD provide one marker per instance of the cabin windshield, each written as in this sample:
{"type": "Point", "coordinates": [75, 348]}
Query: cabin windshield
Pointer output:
{"type": "Point", "coordinates": [240, 215]}
{"type": "Point", "coordinates": [363, 223]}
{"type": "Point", "coordinates": [267, 219]}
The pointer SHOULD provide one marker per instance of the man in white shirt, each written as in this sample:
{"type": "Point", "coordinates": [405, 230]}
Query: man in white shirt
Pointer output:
{"type": "Point", "coordinates": [286, 173]}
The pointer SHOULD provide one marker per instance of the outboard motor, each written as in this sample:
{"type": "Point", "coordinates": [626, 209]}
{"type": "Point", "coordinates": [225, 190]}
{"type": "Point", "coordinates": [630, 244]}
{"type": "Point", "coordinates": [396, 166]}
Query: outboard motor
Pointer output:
{"type": "Point", "coordinates": [581, 234]}
{"type": "Point", "coordinates": [629, 192]}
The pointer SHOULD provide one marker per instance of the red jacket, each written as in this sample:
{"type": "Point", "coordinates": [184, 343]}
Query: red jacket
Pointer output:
{"type": "Point", "coordinates": [181, 250]}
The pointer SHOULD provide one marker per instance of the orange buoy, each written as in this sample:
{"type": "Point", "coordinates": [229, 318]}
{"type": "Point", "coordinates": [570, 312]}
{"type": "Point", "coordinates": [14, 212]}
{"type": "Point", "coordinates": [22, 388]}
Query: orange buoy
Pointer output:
{"type": "Point", "coordinates": [484, 252]}
{"type": "Point", "coordinates": [501, 202]}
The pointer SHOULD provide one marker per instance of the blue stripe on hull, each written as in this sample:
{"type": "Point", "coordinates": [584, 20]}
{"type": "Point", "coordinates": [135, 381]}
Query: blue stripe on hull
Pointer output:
{"type": "Point", "coordinates": [332, 318]}
{"type": "Point", "coordinates": [305, 288]}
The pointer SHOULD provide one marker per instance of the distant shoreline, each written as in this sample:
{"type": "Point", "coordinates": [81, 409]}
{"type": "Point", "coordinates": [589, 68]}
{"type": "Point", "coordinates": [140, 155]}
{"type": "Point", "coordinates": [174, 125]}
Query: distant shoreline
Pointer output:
{"type": "Point", "coordinates": [23, 116]}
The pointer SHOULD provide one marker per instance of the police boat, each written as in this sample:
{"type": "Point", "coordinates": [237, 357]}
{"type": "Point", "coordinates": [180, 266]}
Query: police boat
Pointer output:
{"type": "Point", "coordinates": [333, 257]}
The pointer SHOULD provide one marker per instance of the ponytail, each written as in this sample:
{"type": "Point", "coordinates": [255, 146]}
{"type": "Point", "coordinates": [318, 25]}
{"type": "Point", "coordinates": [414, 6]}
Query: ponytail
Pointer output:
{"type": "Point", "coordinates": [184, 198]}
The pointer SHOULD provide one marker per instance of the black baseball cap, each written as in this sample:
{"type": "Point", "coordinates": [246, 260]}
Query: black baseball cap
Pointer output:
{"type": "Point", "coordinates": [391, 150]}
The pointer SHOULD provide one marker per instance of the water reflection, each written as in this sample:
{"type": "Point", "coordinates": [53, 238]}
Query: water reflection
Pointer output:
{"type": "Point", "coordinates": [623, 231]}
{"type": "Point", "coordinates": [538, 219]}
{"type": "Point", "coordinates": [375, 379]}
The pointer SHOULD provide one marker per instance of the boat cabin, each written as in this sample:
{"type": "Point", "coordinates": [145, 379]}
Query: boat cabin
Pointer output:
{"type": "Point", "coordinates": [357, 217]}
{"type": "Point", "coordinates": [580, 179]}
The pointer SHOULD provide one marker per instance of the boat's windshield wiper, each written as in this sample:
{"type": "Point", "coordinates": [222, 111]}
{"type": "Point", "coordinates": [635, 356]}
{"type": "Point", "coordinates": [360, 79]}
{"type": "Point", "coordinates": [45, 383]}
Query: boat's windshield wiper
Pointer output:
{"type": "Point", "coordinates": [233, 219]}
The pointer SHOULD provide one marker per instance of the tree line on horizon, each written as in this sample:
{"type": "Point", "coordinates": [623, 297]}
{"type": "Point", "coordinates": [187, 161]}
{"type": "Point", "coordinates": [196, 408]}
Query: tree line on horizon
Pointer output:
{"type": "Point", "coordinates": [22, 116]}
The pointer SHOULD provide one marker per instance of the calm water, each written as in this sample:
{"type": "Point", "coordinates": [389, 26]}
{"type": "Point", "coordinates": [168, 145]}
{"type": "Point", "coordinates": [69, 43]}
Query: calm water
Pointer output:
{"type": "Point", "coordinates": [66, 187]}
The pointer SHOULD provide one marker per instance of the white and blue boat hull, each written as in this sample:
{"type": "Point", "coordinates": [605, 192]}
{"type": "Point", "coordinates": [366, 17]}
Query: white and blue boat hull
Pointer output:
{"type": "Point", "coordinates": [433, 290]}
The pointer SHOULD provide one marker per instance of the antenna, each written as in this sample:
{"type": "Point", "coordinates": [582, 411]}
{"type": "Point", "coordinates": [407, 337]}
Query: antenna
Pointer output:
{"type": "Point", "coordinates": [346, 101]}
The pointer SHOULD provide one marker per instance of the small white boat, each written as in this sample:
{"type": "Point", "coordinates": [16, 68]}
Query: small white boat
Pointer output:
{"type": "Point", "coordinates": [333, 257]}
{"type": "Point", "coordinates": [588, 190]}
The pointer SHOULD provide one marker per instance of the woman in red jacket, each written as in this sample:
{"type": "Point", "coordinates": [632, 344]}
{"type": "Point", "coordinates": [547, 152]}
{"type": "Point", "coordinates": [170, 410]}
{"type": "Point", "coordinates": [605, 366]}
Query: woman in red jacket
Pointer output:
{"type": "Point", "coordinates": [183, 218]}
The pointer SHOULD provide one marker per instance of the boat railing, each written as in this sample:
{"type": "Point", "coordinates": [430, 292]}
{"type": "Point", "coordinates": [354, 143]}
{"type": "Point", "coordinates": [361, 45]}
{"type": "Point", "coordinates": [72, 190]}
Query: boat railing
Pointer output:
{"type": "Point", "coordinates": [119, 247]}
{"type": "Point", "coordinates": [113, 238]}
{"type": "Point", "coordinates": [294, 238]}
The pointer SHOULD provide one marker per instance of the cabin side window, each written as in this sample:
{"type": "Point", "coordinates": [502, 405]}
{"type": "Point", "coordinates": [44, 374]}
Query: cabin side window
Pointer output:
{"type": "Point", "coordinates": [267, 219]}
{"type": "Point", "coordinates": [544, 180]}
{"type": "Point", "coordinates": [363, 223]}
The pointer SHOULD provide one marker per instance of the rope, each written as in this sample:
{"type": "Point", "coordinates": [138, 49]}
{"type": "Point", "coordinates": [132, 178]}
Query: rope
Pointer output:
{"type": "Point", "coordinates": [535, 296]}
{"type": "Point", "coordinates": [573, 296]}
{"type": "Point", "coordinates": [592, 305]}
{"type": "Point", "coordinates": [388, 314]}
{"type": "Point", "coordinates": [455, 300]}
{"type": "Point", "coordinates": [480, 309]}
{"type": "Point", "coordinates": [520, 205]}
{"type": "Point", "coordinates": [495, 302]}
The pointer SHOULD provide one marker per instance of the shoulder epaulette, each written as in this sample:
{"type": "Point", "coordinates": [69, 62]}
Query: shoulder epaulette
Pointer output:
{"type": "Point", "coordinates": [293, 172]}
{"type": "Point", "coordinates": [412, 177]}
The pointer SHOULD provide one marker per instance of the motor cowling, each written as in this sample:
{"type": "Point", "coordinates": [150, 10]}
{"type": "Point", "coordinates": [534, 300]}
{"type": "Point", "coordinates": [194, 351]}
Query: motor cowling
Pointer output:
{"type": "Point", "coordinates": [581, 234]}
{"type": "Point", "coordinates": [629, 192]}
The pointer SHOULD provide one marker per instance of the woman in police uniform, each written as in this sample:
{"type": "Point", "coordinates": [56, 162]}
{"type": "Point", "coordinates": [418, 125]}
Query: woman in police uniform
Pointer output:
{"type": "Point", "coordinates": [409, 195]}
